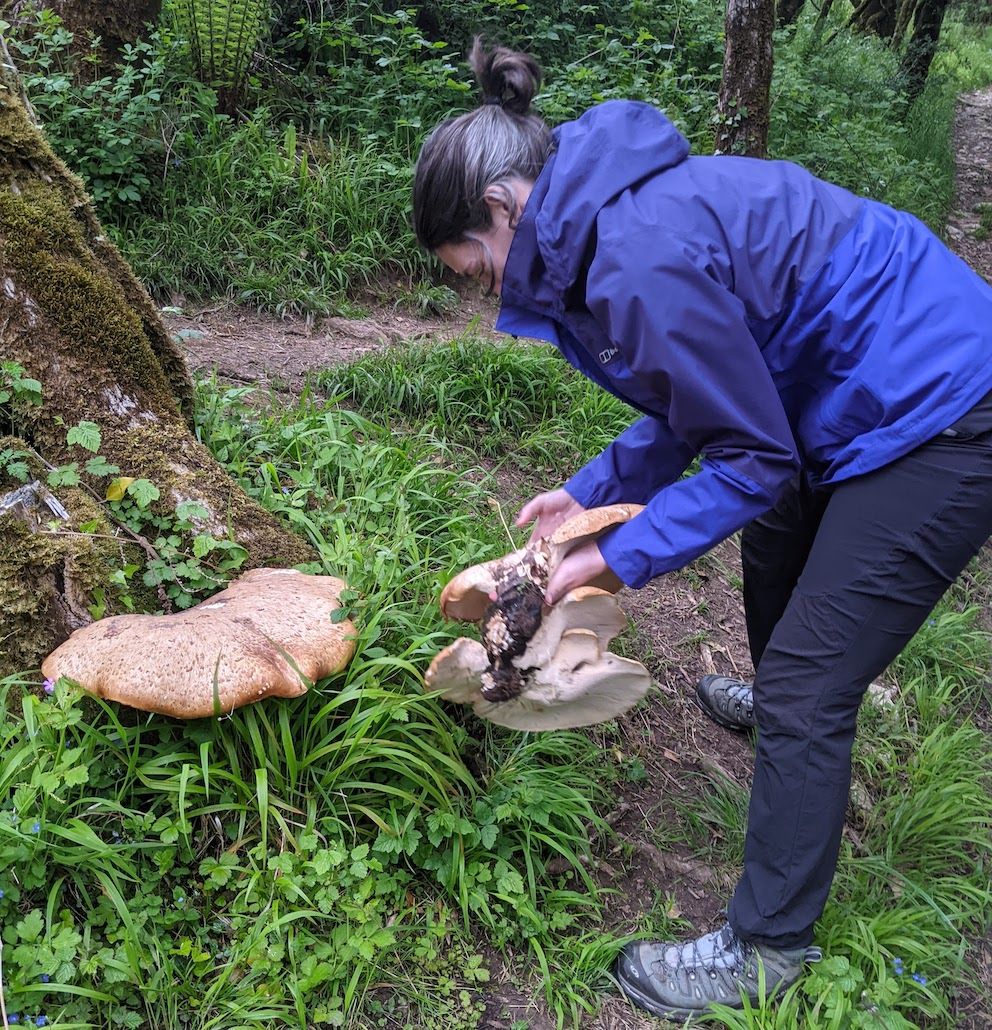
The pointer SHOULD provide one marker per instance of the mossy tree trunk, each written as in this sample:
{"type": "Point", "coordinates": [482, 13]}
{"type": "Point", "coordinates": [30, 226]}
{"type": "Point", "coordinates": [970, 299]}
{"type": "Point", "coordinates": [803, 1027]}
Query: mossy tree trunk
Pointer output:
{"type": "Point", "coordinates": [75, 318]}
{"type": "Point", "coordinates": [747, 76]}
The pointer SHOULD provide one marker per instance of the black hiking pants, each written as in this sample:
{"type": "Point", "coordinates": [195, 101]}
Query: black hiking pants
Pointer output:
{"type": "Point", "coordinates": [836, 582]}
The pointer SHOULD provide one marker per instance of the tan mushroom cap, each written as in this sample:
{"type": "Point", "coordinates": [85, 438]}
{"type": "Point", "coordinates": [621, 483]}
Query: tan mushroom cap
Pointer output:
{"type": "Point", "coordinates": [268, 634]}
{"type": "Point", "coordinates": [457, 670]}
{"type": "Point", "coordinates": [591, 523]}
{"type": "Point", "coordinates": [575, 682]}
{"type": "Point", "coordinates": [466, 596]}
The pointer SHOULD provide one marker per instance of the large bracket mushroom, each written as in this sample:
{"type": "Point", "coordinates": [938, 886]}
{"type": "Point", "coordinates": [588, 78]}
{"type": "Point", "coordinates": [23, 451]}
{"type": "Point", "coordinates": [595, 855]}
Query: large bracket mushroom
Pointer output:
{"type": "Point", "coordinates": [270, 633]}
{"type": "Point", "coordinates": [539, 668]}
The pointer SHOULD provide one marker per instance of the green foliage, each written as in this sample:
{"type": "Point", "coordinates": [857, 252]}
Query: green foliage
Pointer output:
{"type": "Point", "coordinates": [222, 36]}
{"type": "Point", "coordinates": [964, 57]}
{"type": "Point", "coordinates": [290, 855]}
{"type": "Point", "coordinates": [303, 199]}
{"type": "Point", "coordinates": [106, 127]}
{"type": "Point", "coordinates": [18, 394]}
{"type": "Point", "coordinates": [281, 223]}
{"type": "Point", "coordinates": [837, 110]}
{"type": "Point", "coordinates": [188, 563]}
{"type": "Point", "coordinates": [516, 400]}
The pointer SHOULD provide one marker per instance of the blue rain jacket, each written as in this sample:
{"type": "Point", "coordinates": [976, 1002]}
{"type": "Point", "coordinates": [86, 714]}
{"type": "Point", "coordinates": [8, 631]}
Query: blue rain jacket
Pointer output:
{"type": "Point", "coordinates": [760, 318]}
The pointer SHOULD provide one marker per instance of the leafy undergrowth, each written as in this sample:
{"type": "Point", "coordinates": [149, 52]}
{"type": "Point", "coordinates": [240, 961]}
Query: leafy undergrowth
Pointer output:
{"type": "Point", "coordinates": [303, 199]}
{"type": "Point", "coordinates": [354, 857]}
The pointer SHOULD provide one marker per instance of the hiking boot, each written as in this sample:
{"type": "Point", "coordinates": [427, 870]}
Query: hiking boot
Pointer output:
{"type": "Point", "coordinates": [727, 701]}
{"type": "Point", "coordinates": [681, 981]}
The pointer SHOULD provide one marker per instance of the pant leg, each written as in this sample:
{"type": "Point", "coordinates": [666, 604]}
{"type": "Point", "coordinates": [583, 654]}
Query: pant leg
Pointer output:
{"type": "Point", "coordinates": [774, 548]}
{"type": "Point", "coordinates": [888, 546]}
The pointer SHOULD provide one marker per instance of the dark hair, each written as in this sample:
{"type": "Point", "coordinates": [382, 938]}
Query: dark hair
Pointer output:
{"type": "Point", "coordinates": [466, 155]}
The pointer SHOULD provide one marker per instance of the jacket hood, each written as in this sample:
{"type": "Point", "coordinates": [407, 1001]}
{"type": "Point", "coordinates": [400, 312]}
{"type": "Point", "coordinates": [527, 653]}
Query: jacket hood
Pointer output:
{"type": "Point", "coordinates": [610, 148]}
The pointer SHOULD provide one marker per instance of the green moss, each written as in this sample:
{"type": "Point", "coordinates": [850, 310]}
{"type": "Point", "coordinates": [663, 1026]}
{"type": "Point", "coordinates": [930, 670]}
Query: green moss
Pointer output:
{"type": "Point", "coordinates": [47, 257]}
{"type": "Point", "coordinates": [79, 321]}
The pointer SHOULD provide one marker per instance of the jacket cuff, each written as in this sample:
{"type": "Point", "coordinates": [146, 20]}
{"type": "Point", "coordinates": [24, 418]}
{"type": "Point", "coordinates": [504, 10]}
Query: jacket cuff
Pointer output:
{"type": "Point", "coordinates": [631, 565]}
{"type": "Point", "coordinates": [587, 487]}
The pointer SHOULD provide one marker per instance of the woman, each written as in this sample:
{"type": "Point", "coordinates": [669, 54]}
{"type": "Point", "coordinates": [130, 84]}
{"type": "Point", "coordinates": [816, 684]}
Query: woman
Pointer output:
{"type": "Point", "coordinates": [826, 357]}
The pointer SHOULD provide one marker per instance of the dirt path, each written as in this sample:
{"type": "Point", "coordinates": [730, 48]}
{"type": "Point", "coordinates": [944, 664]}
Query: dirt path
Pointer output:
{"type": "Point", "coordinates": [969, 233]}
{"type": "Point", "coordinates": [247, 348]}
{"type": "Point", "coordinates": [969, 230]}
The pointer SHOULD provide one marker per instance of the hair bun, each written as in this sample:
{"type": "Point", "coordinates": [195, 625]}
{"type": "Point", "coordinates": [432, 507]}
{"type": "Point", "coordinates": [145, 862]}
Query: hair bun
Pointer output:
{"type": "Point", "coordinates": [507, 77]}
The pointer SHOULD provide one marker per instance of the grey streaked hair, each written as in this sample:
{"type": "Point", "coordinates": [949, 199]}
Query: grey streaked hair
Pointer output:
{"type": "Point", "coordinates": [468, 154]}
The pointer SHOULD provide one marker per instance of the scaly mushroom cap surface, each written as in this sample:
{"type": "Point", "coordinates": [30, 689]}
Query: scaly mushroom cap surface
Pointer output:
{"type": "Point", "coordinates": [588, 525]}
{"type": "Point", "coordinates": [268, 634]}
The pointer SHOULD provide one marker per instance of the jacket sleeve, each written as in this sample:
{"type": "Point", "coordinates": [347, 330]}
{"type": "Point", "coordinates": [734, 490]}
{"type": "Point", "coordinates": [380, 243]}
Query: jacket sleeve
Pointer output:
{"type": "Point", "coordinates": [683, 332]}
{"type": "Point", "coordinates": [638, 463]}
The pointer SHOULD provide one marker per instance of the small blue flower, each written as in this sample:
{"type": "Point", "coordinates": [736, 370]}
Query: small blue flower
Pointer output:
{"type": "Point", "coordinates": [180, 899]}
{"type": "Point", "coordinates": [920, 979]}
{"type": "Point", "coordinates": [931, 622]}
{"type": "Point", "coordinates": [41, 1021]}
{"type": "Point", "coordinates": [1, 893]}
{"type": "Point", "coordinates": [36, 828]}
{"type": "Point", "coordinates": [49, 686]}
{"type": "Point", "coordinates": [45, 978]}
{"type": "Point", "coordinates": [14, 1017]}
{"type": "Point", "coordinates": [897, 965]}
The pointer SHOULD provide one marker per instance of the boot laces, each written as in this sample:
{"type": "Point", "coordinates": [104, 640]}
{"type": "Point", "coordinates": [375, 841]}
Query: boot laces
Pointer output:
{"type": "Point", "coordinates": [741, 697]}
{"type": "Point", "coordinates": [726, 953]}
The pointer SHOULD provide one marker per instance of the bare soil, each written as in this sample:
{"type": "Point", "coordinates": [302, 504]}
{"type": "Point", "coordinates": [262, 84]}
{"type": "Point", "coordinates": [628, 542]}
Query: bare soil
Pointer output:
{"type": "Point", "coordinates": [244, 347]}
{"type": "Point", "coordinates": [973, 181]}
{"type": "Point", "coordinates": [687, 624]}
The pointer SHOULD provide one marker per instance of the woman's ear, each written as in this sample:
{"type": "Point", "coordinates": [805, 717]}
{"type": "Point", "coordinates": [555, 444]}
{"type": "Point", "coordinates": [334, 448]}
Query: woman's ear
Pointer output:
{"type": "Point", "coordinates": [501, 203]}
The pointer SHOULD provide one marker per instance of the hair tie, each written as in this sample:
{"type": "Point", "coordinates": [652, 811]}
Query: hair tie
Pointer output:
{"type": "Point", "coordinates": [492, 99]}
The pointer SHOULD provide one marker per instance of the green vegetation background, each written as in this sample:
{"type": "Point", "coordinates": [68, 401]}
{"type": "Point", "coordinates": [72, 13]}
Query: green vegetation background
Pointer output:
{"type": "Point", "coordinates": [354, 857]}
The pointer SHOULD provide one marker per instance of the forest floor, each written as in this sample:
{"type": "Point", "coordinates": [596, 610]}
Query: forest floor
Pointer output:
{"type": "Point", "coordinates": [687, 623]}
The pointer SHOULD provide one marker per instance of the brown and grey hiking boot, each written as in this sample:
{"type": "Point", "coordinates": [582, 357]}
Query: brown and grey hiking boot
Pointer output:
{"type": "Point", "coordinates": [681, 981]}
{"type": "Point", "coordinates": [727, 701]}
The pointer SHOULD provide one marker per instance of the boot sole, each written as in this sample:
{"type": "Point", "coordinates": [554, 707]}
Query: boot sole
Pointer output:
{"type": "Point", "coordinates": [717, 718]}
{"type": "Point", "coordinates": [686, 1015]}
{"type": "Point", "coordinates": [648, 1004]}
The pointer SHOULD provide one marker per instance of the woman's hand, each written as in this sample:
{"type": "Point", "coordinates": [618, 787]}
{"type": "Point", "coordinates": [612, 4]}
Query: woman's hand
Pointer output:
{"type": "Point", "coordinates": [549, 510]}
{"type": "Point", "coordinates": [577, 569]}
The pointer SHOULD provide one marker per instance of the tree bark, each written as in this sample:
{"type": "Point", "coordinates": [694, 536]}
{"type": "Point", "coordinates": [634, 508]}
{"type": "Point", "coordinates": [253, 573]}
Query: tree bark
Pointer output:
{"type": "Point", "coordinates": [75, 318]}
{"type": "Point", "coordinates": [747, 75]}
{"type": "Point", "coordinates": [904, 15]}
{"type": "Point", "coordinates": [877, 16]}
{"type": "Point", "coordinates": [922, 45]}
{"type": "Point", "coordinates": [788, 11]}
{"type": "Point", "coordinates": [116, 23]}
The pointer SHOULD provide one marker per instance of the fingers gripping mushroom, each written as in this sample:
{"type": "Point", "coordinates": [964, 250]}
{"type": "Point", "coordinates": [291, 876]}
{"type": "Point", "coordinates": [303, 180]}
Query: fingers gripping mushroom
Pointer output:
{"type": "Point", "coordinates": [466, 596]}
{"type": "Point", "coordinates": [539, 668]}
{"type": "Point", "coordinates": [270, 633]}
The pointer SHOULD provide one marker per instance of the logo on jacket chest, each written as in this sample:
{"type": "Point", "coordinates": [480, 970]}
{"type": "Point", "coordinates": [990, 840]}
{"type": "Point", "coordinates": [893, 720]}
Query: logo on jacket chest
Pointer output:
{"type": "Point", "coordinates": [607, 355]}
